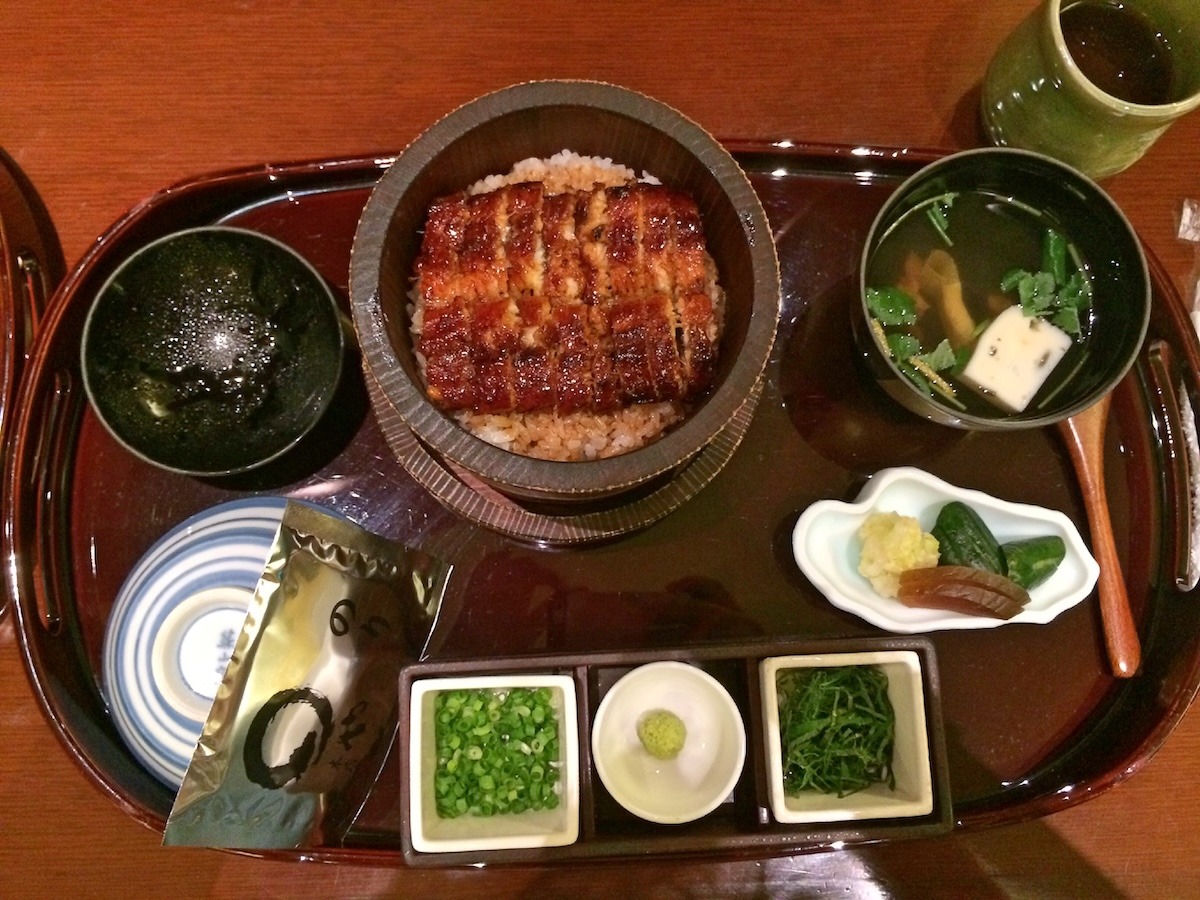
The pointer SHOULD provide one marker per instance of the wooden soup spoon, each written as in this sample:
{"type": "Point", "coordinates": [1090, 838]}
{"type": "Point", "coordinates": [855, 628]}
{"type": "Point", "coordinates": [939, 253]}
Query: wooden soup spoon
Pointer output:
{"type": "Point", "coordinates": [1084, 436]}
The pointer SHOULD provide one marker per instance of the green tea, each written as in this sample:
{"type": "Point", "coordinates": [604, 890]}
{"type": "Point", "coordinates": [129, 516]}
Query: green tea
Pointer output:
{"type": "Point", "coordinates": [1120, 51]}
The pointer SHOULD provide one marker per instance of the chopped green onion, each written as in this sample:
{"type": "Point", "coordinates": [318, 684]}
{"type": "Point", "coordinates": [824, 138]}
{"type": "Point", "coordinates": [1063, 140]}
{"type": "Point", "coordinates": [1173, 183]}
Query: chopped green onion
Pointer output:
{"type": "Point", "coordinates": [497, 751]}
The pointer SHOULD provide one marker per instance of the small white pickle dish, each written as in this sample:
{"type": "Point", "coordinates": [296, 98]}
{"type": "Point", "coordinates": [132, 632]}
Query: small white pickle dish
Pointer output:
{"type": "Point", "coordinates": [913, 794]}
{"type": "Point", "coordinates": [503, 831]}
{"type": "Point", "coordinates": [826, 546]}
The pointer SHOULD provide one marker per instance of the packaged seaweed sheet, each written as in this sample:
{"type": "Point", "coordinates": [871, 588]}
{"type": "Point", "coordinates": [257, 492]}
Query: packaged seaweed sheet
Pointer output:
{"type": "Point", "coordinates": [306, 713]}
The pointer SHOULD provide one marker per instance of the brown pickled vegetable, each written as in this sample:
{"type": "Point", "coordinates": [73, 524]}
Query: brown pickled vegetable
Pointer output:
{"type": "Point", "coordinates": [964, 590]}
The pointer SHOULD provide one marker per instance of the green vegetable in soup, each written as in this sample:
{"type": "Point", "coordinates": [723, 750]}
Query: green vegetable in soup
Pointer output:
{"type": "Point", "coordinates": [837, 729]}
{"type": "Point", "coordinates": [938, 213]}
{"type": "Point", "coordinates": [891, 306]}
{"type": "Point", "coordinates": [1051, 293]}
{"type": "Point", "coordinates": [497, 751]}
{"type": "Point", "coordinates": [1054, 255]}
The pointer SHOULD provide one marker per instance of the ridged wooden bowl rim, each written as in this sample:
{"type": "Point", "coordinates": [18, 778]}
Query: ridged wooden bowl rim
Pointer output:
{"type": "Point", "coordinates": [487, 136]}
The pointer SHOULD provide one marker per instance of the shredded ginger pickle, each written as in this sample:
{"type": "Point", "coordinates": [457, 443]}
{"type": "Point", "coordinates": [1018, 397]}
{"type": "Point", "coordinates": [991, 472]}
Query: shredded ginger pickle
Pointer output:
{"type": "Point", "coordinates": [891, 544]}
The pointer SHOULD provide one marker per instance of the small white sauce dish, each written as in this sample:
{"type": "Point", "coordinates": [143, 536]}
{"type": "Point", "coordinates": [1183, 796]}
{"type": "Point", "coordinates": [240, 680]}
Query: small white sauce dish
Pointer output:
{"type": "Point", "coordinates": [826, 546]}
{"type": "Point", "coordinates": [503, 831]}
{"type": "Point", "coordinates": [913, 793]}
{"type": "Point", "coordinates": [702, 776]}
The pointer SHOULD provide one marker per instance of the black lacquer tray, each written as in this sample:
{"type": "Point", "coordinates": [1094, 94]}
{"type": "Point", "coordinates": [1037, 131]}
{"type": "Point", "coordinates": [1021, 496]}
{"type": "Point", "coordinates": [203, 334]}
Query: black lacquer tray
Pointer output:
{"type": "Point", "coordinates": [1034, 721]}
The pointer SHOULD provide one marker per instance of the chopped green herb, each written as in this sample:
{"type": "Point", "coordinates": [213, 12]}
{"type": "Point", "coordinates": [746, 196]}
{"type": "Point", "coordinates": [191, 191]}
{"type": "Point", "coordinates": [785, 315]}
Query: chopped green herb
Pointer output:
{"type": "Point", "coordinates": [1076, 292]}
{"type": "Point", "coordinates": [1054, 255]}
{"type": "Point", "coordinates": [933, 381]}
{"type": "Point", "coordinates": [902, 345]}
{"type": "Point", "coordinates": [910, 372]}
{"type": "Point", "coordinates": [497, 751]}
{"type": "Point", "coordinates": [938, 213]}
{"type": "Point", "coordinates": [1051, 293]}
{"type": "Point", "coordinates": [837, 729]}
{"type": "Point", "coordinates": [923, 369]}
{"type": "Point", "coordinates": [1067, 318]}
{"type": "Point", "coordinates": [892, 306]}
{"type": "Point", "coordinates": [940, 357]}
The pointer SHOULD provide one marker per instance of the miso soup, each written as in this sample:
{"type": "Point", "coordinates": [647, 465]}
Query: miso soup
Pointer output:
{"type": "Point", "coordinates": [938, 288]}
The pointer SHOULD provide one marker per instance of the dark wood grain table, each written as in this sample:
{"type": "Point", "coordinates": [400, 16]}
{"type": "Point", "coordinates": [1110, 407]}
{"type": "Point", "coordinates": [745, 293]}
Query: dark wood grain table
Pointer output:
{"type": "Point", "coordinates": [103, 104]}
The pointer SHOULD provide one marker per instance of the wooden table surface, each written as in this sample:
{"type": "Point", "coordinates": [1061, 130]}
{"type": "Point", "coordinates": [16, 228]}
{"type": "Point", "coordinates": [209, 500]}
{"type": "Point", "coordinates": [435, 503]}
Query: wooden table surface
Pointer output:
{"type": "Point", "coordinates": [102, 104]}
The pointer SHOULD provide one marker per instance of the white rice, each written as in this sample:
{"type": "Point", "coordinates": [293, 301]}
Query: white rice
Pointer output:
{"type": "Point", "coordinates": [564, 171]}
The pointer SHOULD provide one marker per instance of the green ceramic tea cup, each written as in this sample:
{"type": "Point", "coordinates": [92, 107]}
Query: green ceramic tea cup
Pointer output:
{"type": "Point", "coordinates": [1094, 82]}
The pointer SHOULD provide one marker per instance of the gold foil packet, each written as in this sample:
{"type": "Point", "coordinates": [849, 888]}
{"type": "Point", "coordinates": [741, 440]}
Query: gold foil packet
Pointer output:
{"type": "Point", "coordinates": [307, 711]}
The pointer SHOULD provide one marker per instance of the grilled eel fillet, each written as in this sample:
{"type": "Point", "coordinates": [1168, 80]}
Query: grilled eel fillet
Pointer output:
{"type": "Point", "coordinates": [585, 300]}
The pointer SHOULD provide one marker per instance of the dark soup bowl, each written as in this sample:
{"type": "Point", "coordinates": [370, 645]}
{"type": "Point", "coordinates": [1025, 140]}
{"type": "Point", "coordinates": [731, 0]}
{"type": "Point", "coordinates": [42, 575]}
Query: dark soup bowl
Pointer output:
{"type": "Point", "coordinates": [1000, 289]}
{"type": "Point", "coordinates": [212, 351]}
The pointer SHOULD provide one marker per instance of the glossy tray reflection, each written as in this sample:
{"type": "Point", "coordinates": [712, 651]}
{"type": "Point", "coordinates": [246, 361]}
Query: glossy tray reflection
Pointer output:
{"type": "Point", "coordinates": [1034, 721]}
{"type": "Point", "coordinates": [31, 264]}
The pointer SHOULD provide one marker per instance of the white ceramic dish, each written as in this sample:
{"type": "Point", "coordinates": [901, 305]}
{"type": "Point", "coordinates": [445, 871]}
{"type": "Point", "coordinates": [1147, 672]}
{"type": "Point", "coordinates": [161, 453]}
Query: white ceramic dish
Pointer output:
{"type": "Point", "coordinates": [704, 773]}
{"type": "Point", "coordinates": [826, 547]}
{"type": "Point", "coordinates": [173, 626]}
{"type": "Point", "coordinates": [913, 793]}
{"type": "Point", "coordinates": [541, 828]}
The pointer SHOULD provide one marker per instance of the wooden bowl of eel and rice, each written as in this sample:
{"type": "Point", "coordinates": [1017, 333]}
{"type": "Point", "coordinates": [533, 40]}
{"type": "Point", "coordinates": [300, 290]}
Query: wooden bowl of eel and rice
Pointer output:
{"type": "Point", "coordinates": [559, 122]}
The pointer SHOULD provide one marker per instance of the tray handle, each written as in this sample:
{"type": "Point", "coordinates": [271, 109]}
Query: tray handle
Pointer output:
{"type": "Point", "coordinates": [35, 288]}
{"type": "Point", "coordinates": [59, 413]}
{"type": "Point", "coordinates": [1177, 433]}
